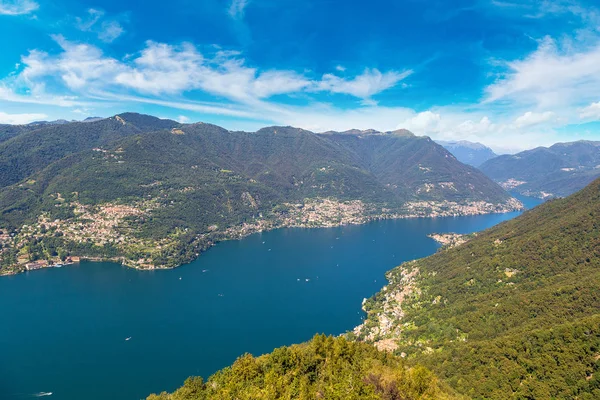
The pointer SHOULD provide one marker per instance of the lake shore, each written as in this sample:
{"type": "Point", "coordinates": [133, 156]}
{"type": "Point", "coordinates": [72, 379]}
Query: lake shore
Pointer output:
{"type": "Point", "coordinates": [324, 213]}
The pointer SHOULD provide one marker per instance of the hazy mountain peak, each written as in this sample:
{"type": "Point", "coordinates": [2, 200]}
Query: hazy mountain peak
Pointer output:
{"type": "Point", "coordinates": [402, 132]}
{"type": "Point", "coordinates": [472, 153]}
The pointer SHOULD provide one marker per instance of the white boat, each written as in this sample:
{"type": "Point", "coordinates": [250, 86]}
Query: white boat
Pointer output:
{"type": "Point", "coordinates": [41, 394]}
{"type": "Point", "coordinates": [129, 338]}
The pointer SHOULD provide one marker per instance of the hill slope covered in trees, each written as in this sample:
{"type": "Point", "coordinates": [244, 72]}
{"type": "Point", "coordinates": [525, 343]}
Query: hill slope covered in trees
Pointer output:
{"type": "Point", "coordinates": [512, 313]}
{"type": "Point", "coordinates": [323, 368]}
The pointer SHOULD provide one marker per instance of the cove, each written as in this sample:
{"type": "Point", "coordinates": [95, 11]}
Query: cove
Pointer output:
{"type": "Point", "coordinates": [64, 330]}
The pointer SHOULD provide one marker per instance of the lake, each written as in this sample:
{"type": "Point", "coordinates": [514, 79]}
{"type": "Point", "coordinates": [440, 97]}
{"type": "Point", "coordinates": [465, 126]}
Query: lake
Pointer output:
{"type": "Point", "coordinates": [65, 330]}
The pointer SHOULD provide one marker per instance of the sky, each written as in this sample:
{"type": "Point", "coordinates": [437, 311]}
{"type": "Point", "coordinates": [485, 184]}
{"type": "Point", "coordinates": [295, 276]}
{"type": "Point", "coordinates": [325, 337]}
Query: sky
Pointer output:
{"type": "Point", "coordinates": [512, 74]}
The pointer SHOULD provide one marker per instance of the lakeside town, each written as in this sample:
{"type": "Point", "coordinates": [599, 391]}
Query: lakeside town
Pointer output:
{"type": "Point", "coordinates": [113, 226]}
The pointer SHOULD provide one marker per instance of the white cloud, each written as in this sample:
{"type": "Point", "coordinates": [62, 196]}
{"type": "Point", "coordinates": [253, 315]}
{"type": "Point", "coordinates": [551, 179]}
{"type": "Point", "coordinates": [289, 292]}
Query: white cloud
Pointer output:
{"type": "Point", "coordinates": [340, 68]}
{"type": "Point", "coordinates": [79, 66]}
{"type": "Point", "coordinates": [426, 121]}
{"type": "Point", "coordinates": [371, 82]}
{"type": "Point", "coordinates": [19, 119]}
{"type": "Point", "coordinates": [237, 7]}
{"type": "Point", "coordinates": [17, 7]}
{"type": "Point", "coordinates": [553, 76]}
{"type": "Point", "coordinates": [175, 69]}
{"type": "Point", "coordinates": [183, 119]}
{"type": "Point", "coordinates": [532, 118]}
{"type": "Point", "coordinates": [591, 112]}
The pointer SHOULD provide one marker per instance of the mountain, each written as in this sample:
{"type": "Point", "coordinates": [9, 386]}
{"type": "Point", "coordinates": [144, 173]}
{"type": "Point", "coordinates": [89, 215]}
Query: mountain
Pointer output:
{"type": "Point", "coordinates": [469, 153]}
{"type": "Point", "coordinates": [154, 193]}
{"type": "Point", "coordinates": [35, 147]}
{"type": "Point", "coordinates": [512, 313]}
{"type": "Point", "coordinates": [556, 171]}
{"type": "Point", "coordinates": [55, 122]}
{"type": "Point", "coordinates": [323, 368]}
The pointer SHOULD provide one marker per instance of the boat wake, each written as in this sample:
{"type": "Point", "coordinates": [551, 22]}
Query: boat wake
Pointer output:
{"type": "Point", "coordinates": [42, 394]}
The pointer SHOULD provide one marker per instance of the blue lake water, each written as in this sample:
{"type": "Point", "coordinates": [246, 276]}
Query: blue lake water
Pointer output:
{"type": "Point", "coordinates": [64, 330]}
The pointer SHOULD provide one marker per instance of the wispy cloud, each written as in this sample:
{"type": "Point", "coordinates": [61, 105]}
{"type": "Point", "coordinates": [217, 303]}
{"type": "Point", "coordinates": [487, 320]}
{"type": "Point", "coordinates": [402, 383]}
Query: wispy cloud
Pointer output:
{"type": "Point", "coordinates": [555, 75]}
{"type": "Point", "coordinates": [17, 7]}
{"type": "Point", "coordinates": [363, 86]}
{"type": "Point", "coordinates": [106, 29]}
{"type": "Point", "coordinates": [19, 119]}
{"type": "Point", "coordinates": [86, 23]}
{"type": "Point", "coordinates": [237, 7]}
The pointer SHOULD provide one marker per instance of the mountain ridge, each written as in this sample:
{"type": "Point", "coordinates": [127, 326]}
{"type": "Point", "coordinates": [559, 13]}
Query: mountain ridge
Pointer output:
{"type": "Point", "coordinates": [112, 188]}
{"type": "Point", "coordinates": [555, 171]}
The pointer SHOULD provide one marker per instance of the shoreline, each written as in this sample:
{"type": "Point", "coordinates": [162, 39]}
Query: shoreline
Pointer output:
{"type": "Point", "coordinates": [242, 231]}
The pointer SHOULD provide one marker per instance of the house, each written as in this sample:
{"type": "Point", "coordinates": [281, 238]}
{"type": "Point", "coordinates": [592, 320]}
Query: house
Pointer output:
{"type": "Point", "coordinates": [36, 265]}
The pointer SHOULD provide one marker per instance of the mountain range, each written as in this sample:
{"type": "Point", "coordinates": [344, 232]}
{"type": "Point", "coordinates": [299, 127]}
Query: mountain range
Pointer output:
{"type": "Point", "coordinates": [114, 188]}
{"type": "Point", "coordinates": [469, 153]}
{"type": "Point", "coordinates": [554, 171]}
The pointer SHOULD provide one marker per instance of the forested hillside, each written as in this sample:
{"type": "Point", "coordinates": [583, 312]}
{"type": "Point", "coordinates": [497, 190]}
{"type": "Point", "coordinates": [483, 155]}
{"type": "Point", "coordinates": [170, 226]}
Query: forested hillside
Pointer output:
{"type": "Point", "coordinates": [512, 313]}
{"type": "Point", "coordinates": [154, 193]}
{"type": "Point", "coordinates": [34, 147]}
{"type": "Point", "coordinates": [323, 368]}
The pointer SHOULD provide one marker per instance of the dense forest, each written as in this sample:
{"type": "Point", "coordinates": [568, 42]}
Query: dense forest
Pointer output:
{"type": "Point", "coordinates": [323, 368]}
{"type": "Point", "coordinates": [512, 313]}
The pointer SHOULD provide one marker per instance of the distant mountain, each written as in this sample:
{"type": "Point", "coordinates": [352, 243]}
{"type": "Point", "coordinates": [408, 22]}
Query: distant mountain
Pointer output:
{"type": "Point", "coordinates": [556, 171]}
{"type": "Point", "coordinates": [513, 313]}
{"type": "Point", "coordinates": [92, 119]}
{"type": "Point", "coordinates": [116, 187]}
{"type": "Point", "coordinates": [469, 153]}
{"type": "Point", "coordinates": [55, 122]}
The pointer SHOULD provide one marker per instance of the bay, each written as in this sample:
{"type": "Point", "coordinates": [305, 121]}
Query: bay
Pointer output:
{"type": "Point", "coordinates": [102, 331]}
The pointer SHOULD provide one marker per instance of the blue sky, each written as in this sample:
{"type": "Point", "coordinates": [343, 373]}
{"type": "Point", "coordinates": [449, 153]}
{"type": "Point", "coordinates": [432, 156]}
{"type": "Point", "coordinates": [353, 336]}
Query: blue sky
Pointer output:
{"type": "Point", "coordinates": [507, 73]}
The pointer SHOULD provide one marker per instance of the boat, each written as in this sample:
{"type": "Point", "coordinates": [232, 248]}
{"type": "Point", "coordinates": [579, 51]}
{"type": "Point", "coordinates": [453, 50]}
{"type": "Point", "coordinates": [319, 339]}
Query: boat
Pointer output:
{"type": "Point", "coordinates": [129, 338]}
{"type": "Point", "coordinates": [41, 394]}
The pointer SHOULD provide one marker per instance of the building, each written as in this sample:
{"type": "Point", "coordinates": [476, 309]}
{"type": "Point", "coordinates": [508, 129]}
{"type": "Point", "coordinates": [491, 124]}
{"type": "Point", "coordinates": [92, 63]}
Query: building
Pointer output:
{"type": "Point", "coordinates": [36, 265]}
